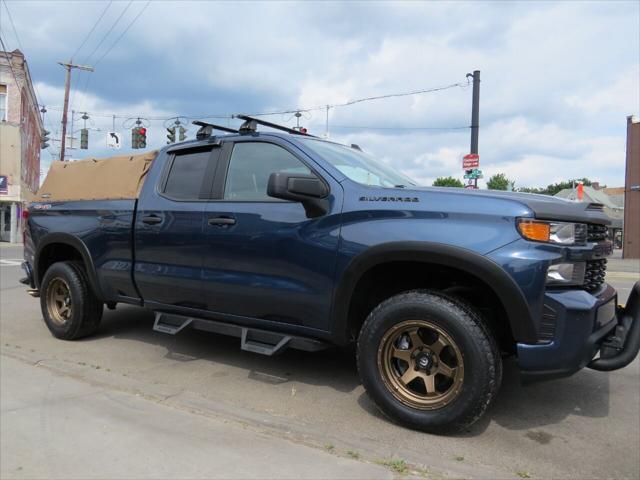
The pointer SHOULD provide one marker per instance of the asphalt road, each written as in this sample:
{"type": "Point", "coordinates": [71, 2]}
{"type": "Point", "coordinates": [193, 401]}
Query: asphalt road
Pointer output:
{"type": "Point", "coordinates": [124, 394]}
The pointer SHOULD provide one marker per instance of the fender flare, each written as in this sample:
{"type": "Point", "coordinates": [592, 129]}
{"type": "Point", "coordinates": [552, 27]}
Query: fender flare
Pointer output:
{"type": "Point", "coordinates": [79, 245]}
{"type": "Point", "coordinates": [503, 285]}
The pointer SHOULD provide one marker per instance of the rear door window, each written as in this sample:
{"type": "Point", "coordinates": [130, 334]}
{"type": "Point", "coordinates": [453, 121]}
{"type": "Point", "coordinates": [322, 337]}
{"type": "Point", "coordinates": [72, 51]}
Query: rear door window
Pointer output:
{"type": "Point", "coordinates": [188, 173]}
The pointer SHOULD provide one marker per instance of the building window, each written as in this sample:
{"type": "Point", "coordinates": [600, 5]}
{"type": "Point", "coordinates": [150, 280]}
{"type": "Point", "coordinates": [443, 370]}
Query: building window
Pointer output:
{"type": "Point", "coordinates": [3, 103]}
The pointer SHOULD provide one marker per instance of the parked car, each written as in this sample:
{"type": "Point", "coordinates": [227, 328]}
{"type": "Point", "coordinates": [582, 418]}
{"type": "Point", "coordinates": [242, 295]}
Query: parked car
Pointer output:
{"type": "Point", "coordinates": [291, 241]}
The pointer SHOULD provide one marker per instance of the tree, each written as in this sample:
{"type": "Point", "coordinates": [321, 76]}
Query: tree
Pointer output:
{"type": "Point", "coordinates": [499, 181]}
{"type": "Point", "coordinates": [447, 182]}
{"type": "Point", "coordinates": [556, 187]}
{"type": "Point", "coordinates": [542, 191]}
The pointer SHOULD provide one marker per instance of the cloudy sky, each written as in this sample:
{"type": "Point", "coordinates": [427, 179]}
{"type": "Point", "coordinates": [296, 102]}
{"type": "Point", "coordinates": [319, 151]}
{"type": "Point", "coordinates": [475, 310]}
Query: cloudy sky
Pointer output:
{"type": "Point", "coordinates": [558, 79]}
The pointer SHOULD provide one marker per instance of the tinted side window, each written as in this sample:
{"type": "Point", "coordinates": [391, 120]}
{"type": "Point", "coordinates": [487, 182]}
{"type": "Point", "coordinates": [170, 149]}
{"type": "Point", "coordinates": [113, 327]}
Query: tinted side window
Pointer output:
{"type": "Point", "coordinates": [250, 166]}
{"type": "Point", "coordinates": [184, 181]}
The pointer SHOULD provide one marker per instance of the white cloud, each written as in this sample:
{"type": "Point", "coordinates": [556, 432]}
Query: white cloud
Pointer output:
{"type": "Point", "coordinates": [621, 95]}
{"type": "Point", "coordinates": [558, 79]}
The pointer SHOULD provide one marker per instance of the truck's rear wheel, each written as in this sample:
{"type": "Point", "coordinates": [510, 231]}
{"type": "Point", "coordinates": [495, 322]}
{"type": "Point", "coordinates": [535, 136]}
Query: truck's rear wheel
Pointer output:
{"type": "Point", "coordinates": [69, 306]}
{"type": "Point", "coordinates": [428, 362]}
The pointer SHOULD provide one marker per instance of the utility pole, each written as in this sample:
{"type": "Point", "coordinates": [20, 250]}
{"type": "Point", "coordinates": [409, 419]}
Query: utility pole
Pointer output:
{"type": "Point", "coordinates": [475, 110]}
{"type": "Point", "coordinates": [67, 85]}
{"type": "Point", "coordinates": [475, 127]}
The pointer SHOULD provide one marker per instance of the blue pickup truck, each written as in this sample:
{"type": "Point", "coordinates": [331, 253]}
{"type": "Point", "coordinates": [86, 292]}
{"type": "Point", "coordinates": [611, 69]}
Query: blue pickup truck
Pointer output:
{"type": "Point", "coordinates": [290, 241]}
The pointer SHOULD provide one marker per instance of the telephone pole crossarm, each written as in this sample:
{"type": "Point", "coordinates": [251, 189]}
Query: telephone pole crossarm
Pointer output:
{"type": "Point", "coordinates": [79, 67]}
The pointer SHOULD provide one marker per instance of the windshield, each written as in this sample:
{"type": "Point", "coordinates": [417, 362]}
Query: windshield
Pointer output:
{"type": "Point", "coordinates": [359, 166]}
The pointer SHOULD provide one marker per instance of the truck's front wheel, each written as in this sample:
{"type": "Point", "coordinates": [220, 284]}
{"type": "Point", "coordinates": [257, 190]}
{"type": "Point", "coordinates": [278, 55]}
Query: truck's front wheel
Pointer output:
{"type": "Point", "coordinates": [69, 306]}
{"type": "Point", "coordinates": [428, 361]}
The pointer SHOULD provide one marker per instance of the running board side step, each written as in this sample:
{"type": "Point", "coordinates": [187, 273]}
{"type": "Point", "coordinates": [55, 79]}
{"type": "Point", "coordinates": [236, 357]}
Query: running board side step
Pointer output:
{"type": "Point", "coordinates": [170, 324]}
{"type": "Point", "coordinates": [253, 340]}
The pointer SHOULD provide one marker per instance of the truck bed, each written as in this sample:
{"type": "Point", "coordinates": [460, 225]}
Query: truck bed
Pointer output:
{"type": "Point", "coordinates": [101, 229]}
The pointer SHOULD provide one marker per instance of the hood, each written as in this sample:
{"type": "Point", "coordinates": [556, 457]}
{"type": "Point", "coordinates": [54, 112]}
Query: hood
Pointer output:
{"type": "Point", "coordinates": [544, 207]}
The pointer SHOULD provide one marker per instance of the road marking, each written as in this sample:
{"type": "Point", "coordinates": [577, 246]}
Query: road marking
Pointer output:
{"type": "Point", "coordinates": [10, 262]}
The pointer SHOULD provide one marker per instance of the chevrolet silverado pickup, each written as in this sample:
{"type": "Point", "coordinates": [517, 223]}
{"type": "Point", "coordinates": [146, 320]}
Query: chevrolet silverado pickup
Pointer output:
{"type": "Point", "coordinates": [286, 240]}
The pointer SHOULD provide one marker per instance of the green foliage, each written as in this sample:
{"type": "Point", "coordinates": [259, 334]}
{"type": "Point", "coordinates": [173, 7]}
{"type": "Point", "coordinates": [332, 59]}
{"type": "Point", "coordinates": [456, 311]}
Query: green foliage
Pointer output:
{"type": "Point", "coordinates": [447, 182]}
{"type": "Point", "coordinates": [542, 191]}
{"type": "Point", "coordinates": [499, 181]}
{"type": "Point", "coordinates": [556, 187]}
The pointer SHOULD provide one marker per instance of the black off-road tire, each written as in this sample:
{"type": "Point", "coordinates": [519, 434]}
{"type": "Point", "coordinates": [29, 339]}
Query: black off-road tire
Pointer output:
{"type": "Point", "coordinates": [482, 363]}
{"type": "Point", "coordinates": [86, 310]}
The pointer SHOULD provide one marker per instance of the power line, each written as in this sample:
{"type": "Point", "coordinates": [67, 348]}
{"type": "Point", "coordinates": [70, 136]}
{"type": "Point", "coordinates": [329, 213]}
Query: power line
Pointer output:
{"type": "Point", "coordinates": [123, 33]}
{"type": "Point", "coordinates": [104, 37]}
{"type": "Point", "coordinates": [354, 127]}
{"type": "Point", "coordinates": [15, 77]}
{"type": "Point", "coordinates": [92, 29]}
{"type": "Point", "coordinates": [15, 32]}
{"type": "Point", "coordinates": [365, 99]}
{"type": "Point", "coordinates": [404, 94]}
{"type": "Point", "coordinates": [4, 50]}
{"type": "Point", "coordinates": [35, 89]}
{"type": "Point", "coordinates": [282, 112]}
{"type": "Point", "coordinates": [88, 78]}
{"type": "Point", "coordinates": [13, 26]}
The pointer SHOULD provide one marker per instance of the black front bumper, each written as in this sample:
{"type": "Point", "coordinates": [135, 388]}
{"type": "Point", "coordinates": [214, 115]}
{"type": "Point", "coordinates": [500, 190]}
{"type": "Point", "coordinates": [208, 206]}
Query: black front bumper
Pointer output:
{"type": "Point", "coordinates": [621, 347]}
{"type": "Point", "coordinates": [590, 330]}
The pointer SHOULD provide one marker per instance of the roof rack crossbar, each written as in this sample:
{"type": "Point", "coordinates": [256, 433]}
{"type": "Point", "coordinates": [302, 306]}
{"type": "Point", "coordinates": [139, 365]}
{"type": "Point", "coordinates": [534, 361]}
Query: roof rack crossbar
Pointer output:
{"type": "Point", "coordinates": [250, 124]}
{"type": "Point", "coordinates": [206, 129]}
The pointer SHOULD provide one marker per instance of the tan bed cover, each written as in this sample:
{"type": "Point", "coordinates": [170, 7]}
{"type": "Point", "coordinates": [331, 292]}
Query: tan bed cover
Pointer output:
{"type": "Point", "coordinates": [112, 178]}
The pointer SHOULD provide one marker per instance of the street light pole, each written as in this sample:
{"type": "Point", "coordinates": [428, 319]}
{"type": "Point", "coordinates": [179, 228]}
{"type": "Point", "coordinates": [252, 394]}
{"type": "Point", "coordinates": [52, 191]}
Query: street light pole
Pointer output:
{"type": "Point", "coordinates": [67, 85]}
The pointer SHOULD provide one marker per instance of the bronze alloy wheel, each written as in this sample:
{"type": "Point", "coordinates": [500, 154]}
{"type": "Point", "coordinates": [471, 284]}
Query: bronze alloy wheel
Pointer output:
{"type": "Point", "coordinates": [59, 301]}
{"type": "Point", "coordinates": [420, 364]}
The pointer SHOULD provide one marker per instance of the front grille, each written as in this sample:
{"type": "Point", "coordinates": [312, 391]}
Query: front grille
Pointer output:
{"type": "Point", "coordinates": [596, 232]}
{"type": "Point", "coordinates": [581, 233]}
{"type": "Point", "coordinates": [595, 273]}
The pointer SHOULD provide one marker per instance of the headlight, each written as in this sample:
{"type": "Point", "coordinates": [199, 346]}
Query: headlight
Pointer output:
{"type": "Point", "coordinates": [566, 273]}
{"type": "Point", "coordinates": [560, 233]}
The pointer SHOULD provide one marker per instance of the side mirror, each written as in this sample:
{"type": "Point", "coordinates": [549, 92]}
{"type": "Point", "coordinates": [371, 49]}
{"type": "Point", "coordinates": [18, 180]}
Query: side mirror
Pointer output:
{"type": "Point", "coordinates": [306, 189]}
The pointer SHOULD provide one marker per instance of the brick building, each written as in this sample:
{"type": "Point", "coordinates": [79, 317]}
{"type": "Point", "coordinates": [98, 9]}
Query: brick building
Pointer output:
{"type": "Point", "coordinates": [631, 245]}
{"type": "Point", "coordinates": [20, 135]}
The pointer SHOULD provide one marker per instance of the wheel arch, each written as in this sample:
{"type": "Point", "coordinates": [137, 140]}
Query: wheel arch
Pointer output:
{"type": "Point", "coordinates": [507, 291]}
{"type": "Point", "coordinates": [45, 256]}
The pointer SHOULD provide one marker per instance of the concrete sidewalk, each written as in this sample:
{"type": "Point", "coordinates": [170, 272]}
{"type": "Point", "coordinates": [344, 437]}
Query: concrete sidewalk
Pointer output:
{"type": "Point", "coordinates": [58, 427]}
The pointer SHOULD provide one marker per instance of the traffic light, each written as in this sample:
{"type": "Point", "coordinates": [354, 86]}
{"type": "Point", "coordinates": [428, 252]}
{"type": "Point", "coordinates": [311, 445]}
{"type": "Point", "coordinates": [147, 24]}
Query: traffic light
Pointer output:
{"type": "Point", "coordinates": [44, 138]}
{"type": "Point", "coordinates": [183, 135]}
{"type": "Point", "coordinates": [171, 136]}
{"type": "Point", "coordinates": [134, 137]}
{"type": "Point", "coordinates": [84, 139]}
{"type": "Point", "coordinates": [142, 137]}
